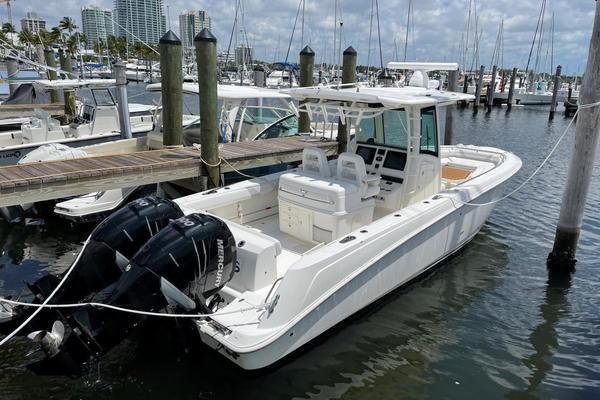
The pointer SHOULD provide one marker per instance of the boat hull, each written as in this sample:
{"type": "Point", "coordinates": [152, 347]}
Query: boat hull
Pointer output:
{"type": "Point", "coordinates": [12, 154]}
{"type": "Point", "coordinates": [397, 268]}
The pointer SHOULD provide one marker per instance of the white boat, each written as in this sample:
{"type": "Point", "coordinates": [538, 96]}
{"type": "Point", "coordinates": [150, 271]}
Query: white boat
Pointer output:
{"type": "Point", "coordinates": [280, 79]}
{"type": "Point", "coordinates": [97, 122]}
{"type": "Point", "coordinates": [277, 261]}
{"type": "Point", "coordinates": [247, 113]}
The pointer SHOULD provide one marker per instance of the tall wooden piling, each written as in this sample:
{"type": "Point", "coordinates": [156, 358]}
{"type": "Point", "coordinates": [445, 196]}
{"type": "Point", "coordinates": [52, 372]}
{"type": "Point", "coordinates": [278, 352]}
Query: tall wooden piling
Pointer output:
{"type": "Point", "coordinates": [51, 62]}
{"type": "Point", "coordinates": [171, 72]}
{"type": "Point", "coordinates": [492, 89]}
{"type": "Point", "coordinates": [555, 92]}
{"type": "Point", "coordinates": [119, 72]}
{"type": "Point", "coordinates": [206, 58]}
{"type": "Point", "coordinates": [582, 160]}
{"type": "Point", "coordinates": [511, 88]}
{"type": "Point", "coordinates": [478, 89]}
{"type": "Point", "coordinates": [348, 76]}
{"type": "Point", "coordinates": [307, 63]}
{"type": "Point", "coordinates": [68, 94]}
{"type": "Point", "coordinates": [452, 87]}
{"type": "Point", "coordinates": [12, 70]}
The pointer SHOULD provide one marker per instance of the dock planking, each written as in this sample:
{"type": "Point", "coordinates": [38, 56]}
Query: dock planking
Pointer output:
{"type": "Point", "coordinates": [50, 180]}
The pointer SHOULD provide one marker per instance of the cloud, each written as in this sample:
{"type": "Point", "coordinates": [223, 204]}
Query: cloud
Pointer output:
{"type": "Point", "coordinates": [439, 27]}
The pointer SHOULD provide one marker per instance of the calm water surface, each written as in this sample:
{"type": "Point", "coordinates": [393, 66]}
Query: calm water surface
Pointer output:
{"type": "Point", "coordinates": [486, 324]}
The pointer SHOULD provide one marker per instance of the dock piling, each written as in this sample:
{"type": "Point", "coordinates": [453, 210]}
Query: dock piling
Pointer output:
{"type": "Point", "coordinates": [452, 87]}
{"type": "Point", "coordinates": [119, 71]}
{"type": "Point", "coordinates": [348, 76]}
{"type": "Point", "coordinates": [491, 89]}
{"type": "Point", "coordinates": [51, 62]}
{"type": "Point", "coordinates": [478, 89]}
{"type": "Point", "coordinates": [12, 69]}
{"type": "Point", "coordinates": [307, 63]}
{"type": "Point", "coordinates": [206, 58]}
{"type": "Point", "coordinates": [68, 94]}
{"type": "Point", "coordinates": [171, 72]}
{"type": "Point", "coordinates": [581, 166]}
{"type": "Point", "coordinates": [511, 89]}
{"type": "Point", "coordinates": [555, 92]}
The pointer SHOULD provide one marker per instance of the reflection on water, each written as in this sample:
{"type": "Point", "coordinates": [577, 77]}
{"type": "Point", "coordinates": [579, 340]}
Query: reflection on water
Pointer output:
{"type": "Point", "coordinates": [544, 338]}
{"type": "Point", "coordinates": [488, 323]}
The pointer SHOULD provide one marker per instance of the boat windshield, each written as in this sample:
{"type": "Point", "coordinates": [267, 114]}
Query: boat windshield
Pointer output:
{"type": "Point", "coordinates": [387, 129]}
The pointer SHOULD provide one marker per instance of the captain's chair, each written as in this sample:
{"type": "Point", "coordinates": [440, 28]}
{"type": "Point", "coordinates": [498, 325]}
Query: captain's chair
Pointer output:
{"type": "Point", "coordinates": [351, 168]}
{"type": "Point", "coordinates": [314, 162]}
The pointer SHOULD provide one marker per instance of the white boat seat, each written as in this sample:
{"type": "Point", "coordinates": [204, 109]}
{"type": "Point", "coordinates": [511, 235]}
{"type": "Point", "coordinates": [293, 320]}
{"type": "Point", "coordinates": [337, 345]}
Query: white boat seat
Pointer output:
{"type": "Point", "coordinates": [317, 208]}
{"type": "Point", "coordinates": [314, 161]}
{"type": "Point", "coordinates": [351, 168]}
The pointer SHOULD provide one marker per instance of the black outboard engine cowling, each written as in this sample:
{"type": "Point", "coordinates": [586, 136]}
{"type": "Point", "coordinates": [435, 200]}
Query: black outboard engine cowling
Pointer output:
{"type": "Point", "coordinates": [101, 262]}
{"type": "Point", "coordinates": [113, 243]}
{"type": "Point", "coordinates": [176, 270]}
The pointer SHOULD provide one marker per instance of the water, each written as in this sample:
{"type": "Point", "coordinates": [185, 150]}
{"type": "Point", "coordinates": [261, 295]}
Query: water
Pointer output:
{"type": "Point", "coordinates": [486, 324]}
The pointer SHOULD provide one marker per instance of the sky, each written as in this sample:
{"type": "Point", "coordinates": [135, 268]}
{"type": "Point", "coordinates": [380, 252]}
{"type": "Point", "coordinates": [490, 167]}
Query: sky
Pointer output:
{"type": "Point", "coordinates": [438, 33]}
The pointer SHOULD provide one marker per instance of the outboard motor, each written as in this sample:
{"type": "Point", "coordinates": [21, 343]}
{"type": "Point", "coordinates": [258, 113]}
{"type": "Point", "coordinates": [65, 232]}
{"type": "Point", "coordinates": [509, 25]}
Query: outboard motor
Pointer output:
{"type": "Point", "coordinates": [102, 260]}
{"type": "Point", "coordinates": [177, 270]}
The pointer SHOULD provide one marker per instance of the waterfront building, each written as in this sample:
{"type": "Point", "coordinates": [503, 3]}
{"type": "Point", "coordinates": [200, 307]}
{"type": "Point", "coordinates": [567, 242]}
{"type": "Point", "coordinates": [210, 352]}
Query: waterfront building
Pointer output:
{"type": "Point", "coordinates": [97, 23]}
{"type": "Point", "coordinates": [33, 23]}
{"type": "Point", "coordinates": [191, 23]}
{"type": "Point", "coordinates": [139, 20]}
{"type": "Point", "coordinates": [244, 55]}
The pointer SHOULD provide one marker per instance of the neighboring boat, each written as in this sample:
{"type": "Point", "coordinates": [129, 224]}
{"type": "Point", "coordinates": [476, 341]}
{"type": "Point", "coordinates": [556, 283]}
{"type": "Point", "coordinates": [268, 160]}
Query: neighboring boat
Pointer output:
{"type": "Point", "coordinates": [247, 113]}
{"type": "Point", "coordinates": [277, 261]}
{"type": "Point", "coordinates": [281, 79]}
{"type": "Point", "coordinates": [97, 122]}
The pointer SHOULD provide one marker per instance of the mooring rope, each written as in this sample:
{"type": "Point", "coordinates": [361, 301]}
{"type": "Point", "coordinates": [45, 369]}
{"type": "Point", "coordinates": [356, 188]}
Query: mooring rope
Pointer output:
{"type": "Point", "coordinates": [133, 311]}
{"type": "Point", "coordinates": [537, 170]}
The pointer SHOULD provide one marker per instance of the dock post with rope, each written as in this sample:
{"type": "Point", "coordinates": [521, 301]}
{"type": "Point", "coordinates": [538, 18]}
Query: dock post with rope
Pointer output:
{"type": "Point", "coordinates": [206, 58]}
{"type": "Point", "coordinates": [579, 177]}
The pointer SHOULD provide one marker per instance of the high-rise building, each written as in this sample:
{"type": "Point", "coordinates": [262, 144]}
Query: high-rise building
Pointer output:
{"type": "Point", "coordinates": [139, 20]}
{"type": "Point", "coordinates": [97, 23]}
{"type": "Point", "coordinates": [244, 55]}
{"type": "Point", "coordinates": [190, 23]}
{"type": "Point", "coordinates": [33, 23]}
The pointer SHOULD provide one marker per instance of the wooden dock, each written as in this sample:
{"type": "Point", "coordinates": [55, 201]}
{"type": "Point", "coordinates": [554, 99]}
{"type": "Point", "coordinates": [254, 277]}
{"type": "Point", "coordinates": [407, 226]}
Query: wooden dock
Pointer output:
{"type": "Point", "coordinates": [35, 182]}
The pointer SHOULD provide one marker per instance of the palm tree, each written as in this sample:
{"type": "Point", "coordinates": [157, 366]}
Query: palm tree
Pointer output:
{"type": "Point", "coordinates": [9, 28]}
{"type": "Point", "coordinates": [67, 24]}
{"type": "Point", "coordinates": [27, 39]}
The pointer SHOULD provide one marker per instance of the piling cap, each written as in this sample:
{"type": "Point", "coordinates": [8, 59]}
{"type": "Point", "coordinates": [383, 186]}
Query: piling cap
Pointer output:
{"type": "Point", "coordinates": [205, 35]}
{"type": "Point", "coordinates": [350, 51]}
{"type": "Point", "coordinates": [170, 38]}
{"type": "Point", "coordinates": [307, 51]}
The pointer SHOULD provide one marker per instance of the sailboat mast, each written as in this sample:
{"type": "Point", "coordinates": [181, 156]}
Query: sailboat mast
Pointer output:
{"type": "Point", "coordinates": [407, 29]}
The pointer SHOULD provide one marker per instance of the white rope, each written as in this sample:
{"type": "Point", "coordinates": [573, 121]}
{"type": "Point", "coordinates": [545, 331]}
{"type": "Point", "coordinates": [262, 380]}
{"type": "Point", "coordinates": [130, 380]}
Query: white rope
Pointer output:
{"type": "Point", "coordinates": [45, 303]}
{"type": "Point", "coordinates": [131, 311]}
{"type": "Point", "coordinates": [537, 170]}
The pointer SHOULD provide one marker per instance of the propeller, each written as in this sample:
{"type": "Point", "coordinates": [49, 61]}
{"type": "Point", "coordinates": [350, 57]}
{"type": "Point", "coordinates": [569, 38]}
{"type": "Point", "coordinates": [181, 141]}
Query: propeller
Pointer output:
{"type": "Point", "coordinates": [6, 312]}
{"type": "Point", "coordinates": [49, 341]}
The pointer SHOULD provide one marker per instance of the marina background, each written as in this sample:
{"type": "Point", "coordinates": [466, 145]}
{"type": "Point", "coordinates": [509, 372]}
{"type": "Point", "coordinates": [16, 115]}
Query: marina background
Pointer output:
{"type": "Point", "coordinates": [487, 323]}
